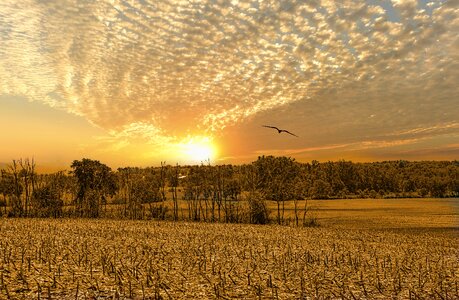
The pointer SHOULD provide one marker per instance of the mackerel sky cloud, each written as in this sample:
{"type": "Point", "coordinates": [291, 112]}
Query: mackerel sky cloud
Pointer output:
{"type": "Point", "coordinates": [362, 74]}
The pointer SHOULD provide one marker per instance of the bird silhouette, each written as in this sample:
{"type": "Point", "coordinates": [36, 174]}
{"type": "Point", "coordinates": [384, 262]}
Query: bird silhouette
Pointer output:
{"type": "Point", "coordinates": [280, 130]}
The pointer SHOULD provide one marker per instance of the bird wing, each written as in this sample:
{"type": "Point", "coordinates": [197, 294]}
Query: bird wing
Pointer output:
{"type": "Point", "coordinates": [270, 127]}
{"type": "Point", "coordinates": [286, 131]}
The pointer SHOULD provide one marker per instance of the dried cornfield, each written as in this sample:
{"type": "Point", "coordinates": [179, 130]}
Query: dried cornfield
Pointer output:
{"type": "Point", "coordinates": [100, 259]}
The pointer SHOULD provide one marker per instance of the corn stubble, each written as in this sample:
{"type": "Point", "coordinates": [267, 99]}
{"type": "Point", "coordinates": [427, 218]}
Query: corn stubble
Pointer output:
{"type": "Point", "coordinates": [103, 259]}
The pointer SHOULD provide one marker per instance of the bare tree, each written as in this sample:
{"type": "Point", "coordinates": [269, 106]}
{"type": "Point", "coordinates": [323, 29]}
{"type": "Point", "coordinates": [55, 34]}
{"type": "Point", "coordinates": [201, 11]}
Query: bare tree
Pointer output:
{"type": "Point", "coordinates": [17, 208]}
{"type": "Point", "coordinates": [7, 188]}
{"type": "Point", "coordinates": [162, 180]}
{"type": "Point", "coordinates": [174, 183]}
{"type": "Point", "coordinates": [27, 173]}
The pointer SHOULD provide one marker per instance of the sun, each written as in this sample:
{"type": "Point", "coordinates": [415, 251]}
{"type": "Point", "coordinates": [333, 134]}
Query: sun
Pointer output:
{"type": "Point", "coordinates": [199, 152]}
{"type": "Point", "coordinates": [199, 149]}
{"type": "Point", "coordinates": [191, 149]}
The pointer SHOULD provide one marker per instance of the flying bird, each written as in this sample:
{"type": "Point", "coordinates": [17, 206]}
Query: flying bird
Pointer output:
{"type": "Point", "coordinates": [280, 130]}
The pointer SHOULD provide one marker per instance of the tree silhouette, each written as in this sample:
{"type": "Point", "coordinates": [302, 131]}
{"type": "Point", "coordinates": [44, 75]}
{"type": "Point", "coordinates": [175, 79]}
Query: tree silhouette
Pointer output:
{"type": "Point", "coordinates": [95, 182]}
{"type": "Point", "coordinates": [46, 202]}
{"type": "Point", "coordinates": [17, 208]}
{"type": "Point", "coordinates": [276, 180]}
{"type": "Point", "coordinates": [173, 180]}
{"type": "Point", "coordinates": [27, 173]}
{"type": "Point", "coordinates": [7, 187]}
{"type": "Point", "coordinates": [320, 189]}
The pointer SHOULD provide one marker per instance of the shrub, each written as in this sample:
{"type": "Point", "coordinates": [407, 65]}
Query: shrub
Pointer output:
{"type": "Point", "coordinates": [311, 222]}
{"type": "Point", "coordinates": [258, 212]}
{"type": "Point", "coordinates": [158, 211]}
{"type": "Point", "coordinates": [232, 213]}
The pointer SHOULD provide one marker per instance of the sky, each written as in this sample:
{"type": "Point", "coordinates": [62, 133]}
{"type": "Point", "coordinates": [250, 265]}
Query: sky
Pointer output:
{"type": "Point", "coordinates": [134, 83]}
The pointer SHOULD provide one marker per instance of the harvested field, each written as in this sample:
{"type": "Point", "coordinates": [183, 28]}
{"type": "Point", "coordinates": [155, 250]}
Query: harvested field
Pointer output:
{"type": "Point", "coordinates": [101, 259]}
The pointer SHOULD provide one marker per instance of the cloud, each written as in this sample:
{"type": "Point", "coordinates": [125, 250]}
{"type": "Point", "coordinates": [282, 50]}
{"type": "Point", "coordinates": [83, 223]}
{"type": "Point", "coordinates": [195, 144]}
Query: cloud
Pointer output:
{"type": "Point", "coordinates": [301, 150]}
{"type": "Point", "coordinates": [363, 145]}
{"type": "Point", "coordinates": [165, 70]}
{"type": "Point", "coordinates": [439, 129]}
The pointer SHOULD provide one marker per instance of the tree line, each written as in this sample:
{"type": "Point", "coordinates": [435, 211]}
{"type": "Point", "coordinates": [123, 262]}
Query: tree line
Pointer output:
{"type": "Point", "coordinates": [221, 193]}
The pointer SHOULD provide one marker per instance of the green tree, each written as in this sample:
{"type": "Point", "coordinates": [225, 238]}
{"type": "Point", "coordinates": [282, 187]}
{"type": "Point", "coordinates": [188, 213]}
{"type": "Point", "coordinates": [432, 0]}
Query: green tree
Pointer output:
{"type": "Point", "coordinates": [320, 189]}
{"type": "Point", "coordinates": [95, 182]}
{"type": "Point", "coordinates": [46, 202]}
{"type": "Point", "coordinates": [277, 176]}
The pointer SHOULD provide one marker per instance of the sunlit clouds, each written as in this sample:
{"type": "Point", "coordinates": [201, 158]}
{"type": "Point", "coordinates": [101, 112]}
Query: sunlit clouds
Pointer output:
{"type": "Point", "coordinates": [155, 75]}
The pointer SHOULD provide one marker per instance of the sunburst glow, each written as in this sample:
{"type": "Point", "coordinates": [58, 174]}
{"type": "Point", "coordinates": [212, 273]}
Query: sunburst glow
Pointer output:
{"type": "Point", "coordinates": [199, 149]}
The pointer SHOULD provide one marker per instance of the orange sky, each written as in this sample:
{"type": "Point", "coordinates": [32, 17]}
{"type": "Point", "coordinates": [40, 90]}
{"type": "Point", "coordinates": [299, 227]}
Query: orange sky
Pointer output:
{"type": "Point", "coordinates": [137, 83]}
